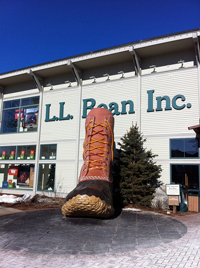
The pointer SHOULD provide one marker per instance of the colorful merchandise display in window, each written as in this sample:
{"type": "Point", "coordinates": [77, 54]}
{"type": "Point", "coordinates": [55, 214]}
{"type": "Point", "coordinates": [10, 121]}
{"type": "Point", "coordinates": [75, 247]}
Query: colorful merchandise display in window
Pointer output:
{"type": "Point", "coordinates": [20, 115]}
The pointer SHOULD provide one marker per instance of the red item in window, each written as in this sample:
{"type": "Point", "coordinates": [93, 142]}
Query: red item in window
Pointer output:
{"type": "Point", "coordinates": [4, 153]}
{"type": "Point", "coordinates": [9, 181]}
{"type": "Point", "coordinates": [13, 171]}
{"type": "Point", "coordinates": [23, 152]}
{"type": "Point", "coordinates": [17, 114]}
{"type": "Point", "coordinates": [32, 152]}
{"type": "Point", "coordinates": [12, 152]}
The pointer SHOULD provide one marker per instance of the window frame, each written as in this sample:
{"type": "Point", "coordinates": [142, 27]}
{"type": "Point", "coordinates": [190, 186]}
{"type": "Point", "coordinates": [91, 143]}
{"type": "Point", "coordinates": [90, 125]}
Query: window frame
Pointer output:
{"type": "Point", "coordinates": [24, 187]}
{"type": "Point", "coordinates": [184, 164]}
{"type": "Point", "coordinates": [50, 191]}
{"type": "Point", "coordinates": [16, 153]}
{"type": "Point", "coordinates": [19, 108]}
{"type": "Point", "coordinates": [48, 151]}
{"type": "Point", "coordinates": [184, 157]}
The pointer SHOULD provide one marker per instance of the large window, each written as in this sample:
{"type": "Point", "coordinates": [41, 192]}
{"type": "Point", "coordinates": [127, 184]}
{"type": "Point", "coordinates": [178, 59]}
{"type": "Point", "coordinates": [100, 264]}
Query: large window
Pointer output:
{"type": "Point", "coordinates": [20, 115]}
{"type": "Point", "coordinates": [184, 148]}
{"type": "Point", "coordinates": [7, 152]}
{"type": "Point", "coordinates": [25, 152]}
{"type": "Point", "coordinates": [185, 175]}
{"type": "Point", "coordinates": [17, 176]}
{"type": "Point", "coordinates": [46, 177]}
{"type": "Point", "coordinates": [48, 151]}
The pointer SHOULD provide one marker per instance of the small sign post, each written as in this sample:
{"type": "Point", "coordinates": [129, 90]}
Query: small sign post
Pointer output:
{"type": "Point", "coordinates": [173, 192]}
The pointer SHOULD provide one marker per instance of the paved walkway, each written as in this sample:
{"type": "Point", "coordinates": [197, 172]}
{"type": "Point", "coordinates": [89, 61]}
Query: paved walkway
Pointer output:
{"type": "Point", "coordinates": [45, 238]}
{"type": "Point", "coordinates": [7, 210]}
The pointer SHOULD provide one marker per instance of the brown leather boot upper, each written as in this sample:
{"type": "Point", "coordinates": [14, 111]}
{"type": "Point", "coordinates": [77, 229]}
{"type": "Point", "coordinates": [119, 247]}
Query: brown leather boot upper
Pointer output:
{"type": "Point", "coordinates": [98, 146]}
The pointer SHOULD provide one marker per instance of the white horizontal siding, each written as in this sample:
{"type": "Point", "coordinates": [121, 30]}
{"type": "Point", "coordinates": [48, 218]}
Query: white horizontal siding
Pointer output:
{"type": "Point", "coordinates": [114, 92]}
{"type": "Point", "coordinates": [65, 129]}
{"type": "Point", "coordinates": [182, 82]}
{"type": "Point", "coordinates": [165, 174]}
{"type": "Point", "coordinates": [159, 147]}
{"type": "Point", "coordinates": [27, 138]}
{"type": "Point", "coordinates": [65, 181]}
{"type": "Point", "coordinates": [20, 94]}
{"type": "Point", "coordinates": [66, 150]}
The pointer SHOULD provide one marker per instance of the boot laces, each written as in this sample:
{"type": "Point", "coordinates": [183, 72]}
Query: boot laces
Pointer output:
{"type": "Point", "coordinates": [97, 163]}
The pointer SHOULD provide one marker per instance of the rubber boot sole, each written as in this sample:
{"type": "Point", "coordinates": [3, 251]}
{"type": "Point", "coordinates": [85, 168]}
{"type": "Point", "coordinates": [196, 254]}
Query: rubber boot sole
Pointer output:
{"type": "Point", "coordinates": [87, 206]}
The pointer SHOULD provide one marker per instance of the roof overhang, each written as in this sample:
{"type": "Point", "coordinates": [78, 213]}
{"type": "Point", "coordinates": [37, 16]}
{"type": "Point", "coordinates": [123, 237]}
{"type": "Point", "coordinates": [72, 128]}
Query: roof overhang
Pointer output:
{"type": "Point", "coordinates": [195, 128]}
{"type": "Point", "coordinates": [109, 56]}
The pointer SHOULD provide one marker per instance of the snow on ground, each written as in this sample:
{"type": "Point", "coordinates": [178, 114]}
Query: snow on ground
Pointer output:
{"type": "Point", "coordinates": [14, 199]}
{"type": "Point", "coordinates": [132, 209]}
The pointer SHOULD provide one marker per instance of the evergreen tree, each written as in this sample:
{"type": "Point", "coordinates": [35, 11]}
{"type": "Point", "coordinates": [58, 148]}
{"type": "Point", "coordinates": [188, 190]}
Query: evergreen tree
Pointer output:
{"type": "Point", "coordinates": [139, 173]}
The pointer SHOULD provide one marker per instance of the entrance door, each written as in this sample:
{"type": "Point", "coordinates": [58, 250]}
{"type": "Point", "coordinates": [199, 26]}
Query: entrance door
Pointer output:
{"type": "Point", "coordinates": [186, 175]}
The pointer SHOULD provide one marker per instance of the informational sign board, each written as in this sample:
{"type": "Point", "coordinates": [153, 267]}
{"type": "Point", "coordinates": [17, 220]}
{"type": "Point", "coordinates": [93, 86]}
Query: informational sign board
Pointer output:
{"type": "Point", "coordinates": [173, 189]}
{"type": "Point", "coordinates": [173, 200]}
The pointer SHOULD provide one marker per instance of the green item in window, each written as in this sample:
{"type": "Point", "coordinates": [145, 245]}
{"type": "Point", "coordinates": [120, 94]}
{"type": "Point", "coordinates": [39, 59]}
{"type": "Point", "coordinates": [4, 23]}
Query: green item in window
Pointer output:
{"type": "Point", "coordinates": [32, 155]}
{"type": "Point", "coordinates": [22, 155]}
{"type": "Point", "coordinates": [12, 156]}
{"type": "Point", "coordinates": [10, 185]}
{"type": "Point", "coordinates": [3, 157]}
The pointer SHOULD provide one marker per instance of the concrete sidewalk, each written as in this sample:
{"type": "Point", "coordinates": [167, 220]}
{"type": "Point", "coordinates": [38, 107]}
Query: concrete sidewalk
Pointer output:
{"type": "Point", "coordinates": [7, 210]}
{"type": "Point", "coordinates": [181, 252]}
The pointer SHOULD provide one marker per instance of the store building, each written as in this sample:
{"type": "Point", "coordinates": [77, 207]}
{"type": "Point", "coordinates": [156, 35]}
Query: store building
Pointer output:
{"type": "Point", "coordinates": [154, 83]}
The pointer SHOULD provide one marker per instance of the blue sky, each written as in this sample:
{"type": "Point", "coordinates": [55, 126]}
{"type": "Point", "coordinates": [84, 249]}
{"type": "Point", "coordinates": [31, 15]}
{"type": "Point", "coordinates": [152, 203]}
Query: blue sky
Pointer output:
{"type": "Point", "coordinates": [39, 31]}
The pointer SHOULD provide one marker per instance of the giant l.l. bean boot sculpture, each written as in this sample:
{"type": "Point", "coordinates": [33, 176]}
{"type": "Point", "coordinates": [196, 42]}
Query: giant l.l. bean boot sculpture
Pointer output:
{"type": "Point", "coordinates": [92, 197]}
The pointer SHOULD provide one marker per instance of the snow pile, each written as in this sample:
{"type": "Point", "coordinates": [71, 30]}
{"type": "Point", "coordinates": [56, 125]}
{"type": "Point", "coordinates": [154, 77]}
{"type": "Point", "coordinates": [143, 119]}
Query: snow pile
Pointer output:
{"type": "Point", "coordinates": [12, 199]}
{"type": "Point", "coordinates": [42, 199]}
{"type": "Point", "coordinates": [132, 209]}
{"type": "Point", "coordinates": [160, 200]}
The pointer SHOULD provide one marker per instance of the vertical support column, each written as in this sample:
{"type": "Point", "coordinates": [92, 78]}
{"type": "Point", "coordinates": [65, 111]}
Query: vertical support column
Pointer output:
{"type": "Point", "coordinates": [139, 102]}
{"type": "Point", "coordinates": [1, 106]}
{"type": "Point", "coordinates": [78, 135]}
{"type": "Point", "coordinates": [41, 90]}
{"type": "Point", "coordinates": [38, 144]}
{"type": "Point", "coordinates": [197, 55]}
{"type": "Point", "coordinates": [79, 82]}
{"type": "Point", "coordinates": [138, 72]}
{"type": "Point", "coordinates": [198, 72]}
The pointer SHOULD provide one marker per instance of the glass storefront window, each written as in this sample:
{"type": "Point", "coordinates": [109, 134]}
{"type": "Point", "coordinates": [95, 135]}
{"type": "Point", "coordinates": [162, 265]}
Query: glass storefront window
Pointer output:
{"type": "Point", "coordinates": [191, 148]}
{"type": "Point", "coordinates": [46, 177]}
{"type": "Point", "coordinates": [183, 148]}
{"type": "Point", "coordinates": [29, 119]}
{"type": "Point", "coordinates": [10, 104]}
{"type": "Point", "coordinates": [7, 152]}
{"type": "Point", "coordinates": [9, 121]}
{"type": "Point", "coordinates": [48, 151]}
{"type": "Point", "coordinates": [22, 118]}
{"type": "Point", "coordinates": [186, 175]}
{"type": "Point", "coordinates": [26, 152]}
{"type": "Point", "coordinates": [18, 176]}
{"type": "Point", "coordinates": [30, 101]}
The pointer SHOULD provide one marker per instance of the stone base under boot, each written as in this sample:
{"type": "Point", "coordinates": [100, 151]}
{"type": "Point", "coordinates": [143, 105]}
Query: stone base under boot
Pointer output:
{"type": "Point", "coordinates": [90, 199]}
